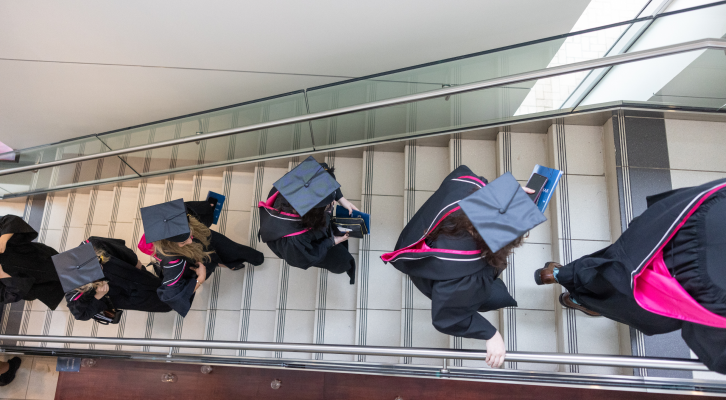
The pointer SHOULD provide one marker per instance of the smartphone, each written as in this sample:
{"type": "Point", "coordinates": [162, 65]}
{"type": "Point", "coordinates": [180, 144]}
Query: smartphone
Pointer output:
{"type": "Point", "coordinates": [536, 182]}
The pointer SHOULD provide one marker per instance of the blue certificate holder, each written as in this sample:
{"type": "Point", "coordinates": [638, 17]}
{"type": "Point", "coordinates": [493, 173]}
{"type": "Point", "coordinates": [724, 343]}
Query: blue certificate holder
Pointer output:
{"type": "Point", "coordinates": [218, 207]}
{"type": "Point", "coordinates": [553, 178]}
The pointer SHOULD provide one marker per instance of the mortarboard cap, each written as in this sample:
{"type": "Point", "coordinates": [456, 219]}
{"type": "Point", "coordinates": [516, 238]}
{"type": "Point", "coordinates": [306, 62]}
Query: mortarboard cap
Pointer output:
{"type": "Point", "coordinates": [501, 212]}
{"type": "Point", "coordinates": [77, 267]}
{"type": "Point", "coordinates": [307, 186]}
{"type": "Point", "coordinates": [166, 221]}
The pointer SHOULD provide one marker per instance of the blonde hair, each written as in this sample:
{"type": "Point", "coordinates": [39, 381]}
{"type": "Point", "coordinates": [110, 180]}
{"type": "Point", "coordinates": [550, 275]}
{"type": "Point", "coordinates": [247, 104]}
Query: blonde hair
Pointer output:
{"type": "Point", "coordinates": [102, 256]}
{"type": "Point", "coordinates": [193, 251]}
{"type": "Point", "coordinates": [90, 286]}
{"type": "Point", "coordinates": [103, 259]}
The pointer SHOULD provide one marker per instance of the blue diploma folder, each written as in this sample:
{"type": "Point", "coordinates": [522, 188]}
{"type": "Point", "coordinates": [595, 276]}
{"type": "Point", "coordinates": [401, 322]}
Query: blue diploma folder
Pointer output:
{"type": "Point", "coordinates": [553, 177]}
{"type": "Point", "coordinates": [343, 212]}
{"type": "Point", "coordinates": [217, 208]}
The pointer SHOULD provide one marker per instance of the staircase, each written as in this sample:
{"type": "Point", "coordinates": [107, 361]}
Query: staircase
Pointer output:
{"type": "Point", "coordinates": [278, 303]}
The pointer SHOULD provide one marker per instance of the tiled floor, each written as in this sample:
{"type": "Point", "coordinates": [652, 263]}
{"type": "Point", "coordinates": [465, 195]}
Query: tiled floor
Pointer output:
{"type": "Point", "coordinates": [36, 379]}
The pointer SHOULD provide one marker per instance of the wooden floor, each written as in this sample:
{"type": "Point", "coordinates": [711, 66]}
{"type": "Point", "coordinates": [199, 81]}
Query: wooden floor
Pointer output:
{"type": "Point", "coordinates": [113, 379]}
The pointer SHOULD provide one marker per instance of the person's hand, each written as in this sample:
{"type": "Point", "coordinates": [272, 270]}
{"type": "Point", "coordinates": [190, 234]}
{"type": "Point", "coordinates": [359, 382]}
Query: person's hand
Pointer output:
{"type": "Point", "coordinates": [341, 239]}
{"type": "Point", "coordinates": [201, 271]}
{"type": "Point", "coordinates": [101, 291]}
{"type": "Point", "coordinates": [347, 205]}
{"type": "Point", "coordinates": [495, 351]}
{"type": "Point", "coordinates": [3, 274]}
{"type": "Point", "coordinates": [527, 190]}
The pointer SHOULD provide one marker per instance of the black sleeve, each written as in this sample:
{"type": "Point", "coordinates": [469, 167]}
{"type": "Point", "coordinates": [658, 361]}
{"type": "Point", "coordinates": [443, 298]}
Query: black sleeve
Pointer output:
{"type": "Point", "coordinates": [84, 306]}
{"type": "Point", "coordinates": [14, 289]}
{"type": "Point", "coordinates": [708, 343]}
{"type": "Point", "coordinates": [22, 232]}
{"type": "Point", "coordinates": [302, 251]}
{"type": "Point", "coordinates": [652, 199]}
{"type": "Point", "coordinates": [176, 290]}
{"type": "Point", "coordinates": [202, 211]}
{"type": "Point", "coordinates": [454, 306]}
{"type": "Point", "coordinates": [338, 193]}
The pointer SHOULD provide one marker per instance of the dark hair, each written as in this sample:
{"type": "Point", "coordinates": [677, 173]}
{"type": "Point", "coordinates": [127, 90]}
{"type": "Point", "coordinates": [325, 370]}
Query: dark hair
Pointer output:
{"type": "Point", "coordinates": [457, 223]}
{"type": "Point", "coordinates": [314, 219]}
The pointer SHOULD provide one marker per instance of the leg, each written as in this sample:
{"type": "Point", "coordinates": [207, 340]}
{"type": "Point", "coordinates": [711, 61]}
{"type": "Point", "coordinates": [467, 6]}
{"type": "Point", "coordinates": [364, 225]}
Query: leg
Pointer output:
{"type": "Point", "coordinates": [233, 254]}
{"type": "Point", "coordinates": [339, 260]}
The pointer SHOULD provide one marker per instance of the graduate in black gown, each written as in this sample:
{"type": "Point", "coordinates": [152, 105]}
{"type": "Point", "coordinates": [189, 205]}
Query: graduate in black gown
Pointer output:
{"type": "Point", "coordinates": [295, 220]}
{"type": "Point", "coordinates": [127, 284]}
{"type": "Point", "coordinates": [26, 267]}
{"type": "Point", "coordinates": [666, 272]}
{"type": "Point", "coordinates": [188, 251]}
{"type": "Point", "coordinates": [450, 262]}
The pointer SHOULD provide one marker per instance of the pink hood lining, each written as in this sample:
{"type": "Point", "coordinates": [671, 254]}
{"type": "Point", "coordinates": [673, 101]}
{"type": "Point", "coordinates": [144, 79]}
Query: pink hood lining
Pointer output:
{"type": "Point", "coordinates": [268, 205]}
{"type": "Point", "coordinates": [147, 248]}
{"type": "Point", "coordinates": [657, 291]}
{"type": "Point", "coordinates": [422, 247]}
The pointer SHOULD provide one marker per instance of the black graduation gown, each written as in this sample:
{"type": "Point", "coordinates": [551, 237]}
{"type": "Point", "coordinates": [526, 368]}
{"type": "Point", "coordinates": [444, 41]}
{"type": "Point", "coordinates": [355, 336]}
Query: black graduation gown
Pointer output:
{"type": "Point", "coordinates": [130, 288]}
{"type": "Point", "coordinates": [450, 271]}
{"type": "Point", "coordinates": [227, 252]}
{"type": "Point", "coordinates": [29, 264]}
{"type": "Point", "coordinates": [604, 281]}
{"type": "Point", "coordinates": [179, 280]}
{"type": "Point", "coordinates": [285, 235]}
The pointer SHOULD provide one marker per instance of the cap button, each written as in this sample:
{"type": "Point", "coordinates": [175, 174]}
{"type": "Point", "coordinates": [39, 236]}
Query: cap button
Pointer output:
{"type": "Point", "coordinates": [164, 220]}
{"type": "Point", "coordinates": [307, 184]}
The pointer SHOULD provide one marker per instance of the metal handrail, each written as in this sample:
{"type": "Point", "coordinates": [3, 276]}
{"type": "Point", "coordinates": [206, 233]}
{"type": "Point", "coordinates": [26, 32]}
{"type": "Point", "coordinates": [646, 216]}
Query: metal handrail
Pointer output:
{"type": "Point", "coordinates": [701, 44]}
{"type": "Point", "coordinates": [513, 356]}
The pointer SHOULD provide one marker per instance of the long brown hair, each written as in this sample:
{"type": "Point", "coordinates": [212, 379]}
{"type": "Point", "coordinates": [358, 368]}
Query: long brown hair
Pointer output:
{"type": "Point", "coordinates": [457, 223]}
{"type": "Point", "coordinates": [193, 251]}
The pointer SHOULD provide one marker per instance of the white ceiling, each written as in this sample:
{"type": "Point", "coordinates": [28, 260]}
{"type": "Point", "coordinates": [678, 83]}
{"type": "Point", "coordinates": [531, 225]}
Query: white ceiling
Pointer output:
{"type": "Point", "coordinates": [53, 86]}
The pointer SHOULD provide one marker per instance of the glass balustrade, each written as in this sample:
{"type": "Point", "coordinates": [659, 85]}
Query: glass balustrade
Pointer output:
{"type": "Point", "coordinates": [693, 80]}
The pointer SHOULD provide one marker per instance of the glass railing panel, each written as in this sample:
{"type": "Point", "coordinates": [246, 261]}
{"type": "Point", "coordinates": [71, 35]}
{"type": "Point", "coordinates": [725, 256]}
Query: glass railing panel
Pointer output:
{"type": "Point", "coordinates": [239, 147]}
{"type": "Point", "coordinates": [60, 151]}
{"type": "Point", "coordinates": [690, 80]}
{"type": "Point", "coordinates": [642, 80]}
{"type": "Point", "coordinates": [98, 171]}
{"type": "Point", "coordinates": [579, 47]}
{"type": "Point", "coordinates": [457, 112]}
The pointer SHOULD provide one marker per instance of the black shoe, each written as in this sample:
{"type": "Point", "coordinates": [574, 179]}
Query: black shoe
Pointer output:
{"type": "Point", "coordinates": [566, 301]}
{"type": "Point", "coordinates": [8, 377]}
{"type": "Point", "coordinates": [351, 274]}
{"type": "Point", "coordinates": [236, 266]}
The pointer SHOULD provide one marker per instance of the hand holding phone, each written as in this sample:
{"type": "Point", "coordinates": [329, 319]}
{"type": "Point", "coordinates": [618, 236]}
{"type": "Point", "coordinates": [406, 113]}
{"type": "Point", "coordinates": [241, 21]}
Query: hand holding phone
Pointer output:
{"type": "Point", "coordinates": [536, 182]}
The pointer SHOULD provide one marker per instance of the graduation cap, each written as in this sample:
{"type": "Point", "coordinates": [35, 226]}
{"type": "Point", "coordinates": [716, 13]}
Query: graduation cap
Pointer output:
{"type": "Point", "coordinates": [166, 221]}
{"type": "Point", "coordinates": [501, 212]}
{"type": "Point", "coordinates": [77, 267]}
{"type": "Point", "coordinates": [307, 186]}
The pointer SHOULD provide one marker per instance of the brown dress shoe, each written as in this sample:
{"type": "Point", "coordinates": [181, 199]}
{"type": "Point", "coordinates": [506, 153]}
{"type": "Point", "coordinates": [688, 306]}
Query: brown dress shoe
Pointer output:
{"type": "Point", "coordinates": [546, 275]}
{"type": "Point", "coordinates": [566, 301]}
